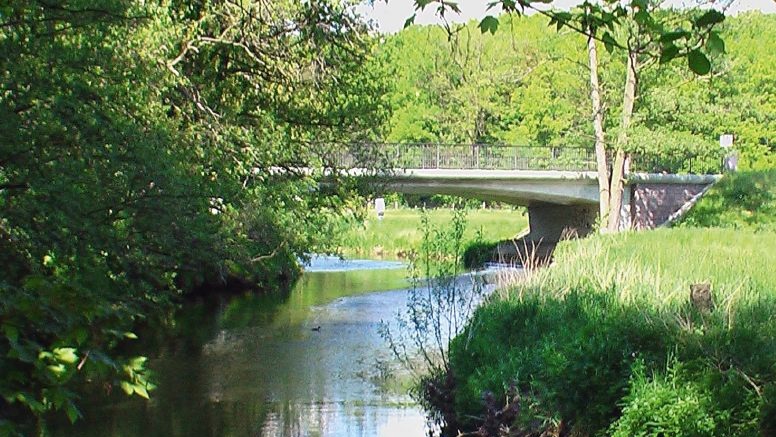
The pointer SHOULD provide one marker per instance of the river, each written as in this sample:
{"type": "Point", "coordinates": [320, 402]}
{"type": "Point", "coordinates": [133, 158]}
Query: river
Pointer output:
{"type": "Point", "coordinates": [305, 363]}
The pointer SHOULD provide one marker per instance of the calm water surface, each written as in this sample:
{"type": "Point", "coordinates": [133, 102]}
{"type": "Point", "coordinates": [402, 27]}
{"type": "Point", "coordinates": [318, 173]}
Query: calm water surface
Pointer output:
{"type": "Point", "coordinates": [253, 366]}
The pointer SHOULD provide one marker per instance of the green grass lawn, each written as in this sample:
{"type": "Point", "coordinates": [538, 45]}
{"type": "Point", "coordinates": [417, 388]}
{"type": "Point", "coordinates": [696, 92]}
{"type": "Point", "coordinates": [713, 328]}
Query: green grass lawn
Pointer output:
{"type": "Point", "coordinates": [399, 232]}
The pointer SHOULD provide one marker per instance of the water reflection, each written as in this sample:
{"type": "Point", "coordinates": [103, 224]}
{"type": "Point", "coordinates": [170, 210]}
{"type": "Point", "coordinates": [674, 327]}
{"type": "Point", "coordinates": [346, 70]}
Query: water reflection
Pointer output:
{"type": "Point", "coordinates": [253, 366]}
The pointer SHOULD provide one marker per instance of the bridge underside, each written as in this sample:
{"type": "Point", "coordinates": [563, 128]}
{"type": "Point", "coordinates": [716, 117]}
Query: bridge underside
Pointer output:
{"type": "Point", "coordinates": [524, 188]}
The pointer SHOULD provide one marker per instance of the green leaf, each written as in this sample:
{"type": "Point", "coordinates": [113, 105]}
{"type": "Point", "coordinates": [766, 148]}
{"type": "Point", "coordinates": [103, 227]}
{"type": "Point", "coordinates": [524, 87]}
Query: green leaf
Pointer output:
{"type": "Point", "coordinates": [410, 21]}
{"type": "Point", "coordinates": [698, 62]}
{"type": "Point", "coordinates": [141, 391]}
{"type": "Point", "coordinates": [11, 333]}
{"type": "Point", "coordinates": [668, 53]}
{"type": "Point", "coordinates": [127, 387]}
{"type": "Point", "coordinates": [137, 363]}
{"type": "Point", "coordinates": [642, 17]}
{"type": "Point", "coordinates": [72, 412]}
{"type": "Point", "coordinates": [489, 24]}
{"type": "Point", "coordinates": [506, 5]}
{"type": "Point", "coordinates": [57, 369]}
{"type": "Point", "coordinates": [66, 355]}
{"type": "Point", "coordinates": [709, 18]}
{"type": "Point", "coordinates": [609, 42]}
{"type": "Point", "coordinates": [673, 35]}
{"type": "Point", "coordinates": [715, 44]}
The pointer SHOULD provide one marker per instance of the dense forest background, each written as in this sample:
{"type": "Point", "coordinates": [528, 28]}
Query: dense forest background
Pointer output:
{"type": "Point", "coordinates": [528, 84]}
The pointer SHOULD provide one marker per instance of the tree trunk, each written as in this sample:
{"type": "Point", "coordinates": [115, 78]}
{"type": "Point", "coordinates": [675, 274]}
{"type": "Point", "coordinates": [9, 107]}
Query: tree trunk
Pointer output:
{"type": "Point", "coordinates": [600, 145]}
{"type": "Point", "coordinates": [618, 168]}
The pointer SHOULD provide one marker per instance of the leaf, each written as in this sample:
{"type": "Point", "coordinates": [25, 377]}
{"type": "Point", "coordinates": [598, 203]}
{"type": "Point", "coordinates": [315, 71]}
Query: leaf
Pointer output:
{"type": "Point", "coordinates": [560, 18]}
{"type": "Point", "coordinates": [673, 35]}
{"type": "Point", "coordinates": [137, 363]}
{"type": "Point", "coordinates": [609, 42]}
{"type": "Point", "coordinates": [711, 17]}
{"type": "Point", "coordinates": [57, 369]}
{"type": "Point", "coordinates": [127, 387]}
{"type": "Point", "coordinates": [489, 24]}
{"type": "Point", "coordinates": [11, 333]}
{"type": "Point", "coordinates": [410, 21]}
{"type": "Point", "coordinates": [141, 391]}
{"type": "Point", "coordinates": [72, 412]}
{"type": "Point", "coordinates": [668, 53]}
{"type": "Point", "coordinates": [507, 5]}
{"type": "Point", "coordinates": [715, 44]}
{"type": "Point", "coordinates": [642, 17]}
{"type": "Point", "coordinates": [66, 355]}
{"type": "Point", "coordinates": [698, 62]}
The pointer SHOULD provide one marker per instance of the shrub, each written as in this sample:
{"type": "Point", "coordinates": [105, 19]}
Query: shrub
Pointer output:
{"type": "Point", "coordinates": [682, 402]}
{"type": "Point", "coordinates": [739, 200]}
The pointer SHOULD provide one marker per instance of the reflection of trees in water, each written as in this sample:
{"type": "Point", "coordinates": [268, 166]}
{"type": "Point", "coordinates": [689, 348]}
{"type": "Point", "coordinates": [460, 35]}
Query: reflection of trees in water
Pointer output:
{"type": "Point", "coordinates": [250, 365]}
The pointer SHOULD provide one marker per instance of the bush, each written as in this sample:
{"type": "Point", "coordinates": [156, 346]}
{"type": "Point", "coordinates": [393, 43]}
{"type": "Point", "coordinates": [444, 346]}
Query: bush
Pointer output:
{"type": "Point", "coordinates": [739, 200]}
{"type": "Point", "coordinates": [682, 402]}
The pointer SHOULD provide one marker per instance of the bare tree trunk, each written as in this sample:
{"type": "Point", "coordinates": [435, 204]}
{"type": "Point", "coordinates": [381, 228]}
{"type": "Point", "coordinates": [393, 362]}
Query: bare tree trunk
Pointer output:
{"type": "Point", "coordinates": [600, 145]}
{"type": "Point", "coordinates": [618, 168]}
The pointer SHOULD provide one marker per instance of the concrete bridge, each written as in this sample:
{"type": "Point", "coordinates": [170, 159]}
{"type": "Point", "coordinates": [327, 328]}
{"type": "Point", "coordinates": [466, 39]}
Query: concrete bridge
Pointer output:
{"type": "Point", "coordinates": [558, 185]}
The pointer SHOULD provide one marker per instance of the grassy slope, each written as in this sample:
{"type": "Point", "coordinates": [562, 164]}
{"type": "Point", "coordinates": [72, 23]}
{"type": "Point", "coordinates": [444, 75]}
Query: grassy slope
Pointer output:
{"type": "Point", "coordinates": [607, 339]}
{"type": "Point", "coordinates": [740, 200]}
{"type": "Point", "coordinates": [399, 231]}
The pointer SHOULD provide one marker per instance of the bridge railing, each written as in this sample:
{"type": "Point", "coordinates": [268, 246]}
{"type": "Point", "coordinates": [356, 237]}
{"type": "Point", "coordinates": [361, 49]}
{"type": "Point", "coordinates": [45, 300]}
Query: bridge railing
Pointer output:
{"type": "Point", "coordinates": [709, 162]}
{"type": "Point", "coordinates": [513, 157]}
{"type": "Point", "coordinates": [473, 157]}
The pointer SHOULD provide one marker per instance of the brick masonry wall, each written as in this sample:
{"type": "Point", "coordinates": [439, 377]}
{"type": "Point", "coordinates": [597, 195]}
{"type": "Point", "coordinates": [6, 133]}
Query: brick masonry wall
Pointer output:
{"type": "Point", "coordinates": [652, 204]}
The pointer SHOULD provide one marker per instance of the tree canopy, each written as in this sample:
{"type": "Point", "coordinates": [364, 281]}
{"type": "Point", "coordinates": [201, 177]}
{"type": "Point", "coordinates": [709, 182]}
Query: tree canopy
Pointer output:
{"type": "Point", "coordinates": [147, 148]}
{"type": "Point", "coordinates": [527, 84]}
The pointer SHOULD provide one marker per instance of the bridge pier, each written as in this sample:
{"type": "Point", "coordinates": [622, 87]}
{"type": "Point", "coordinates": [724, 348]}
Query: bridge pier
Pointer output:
{"type": "Point", "coordinates": [548, 224]}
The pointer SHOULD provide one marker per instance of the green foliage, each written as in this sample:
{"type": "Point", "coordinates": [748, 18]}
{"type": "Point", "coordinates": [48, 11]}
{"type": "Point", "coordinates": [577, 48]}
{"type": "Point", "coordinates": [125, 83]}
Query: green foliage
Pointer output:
{"type": "Point", "coordinates": [739, 200]}
{"type": "Point", "coordinates": [149, 148]}
{"type": "Point", "coordinates": [607, 341]}
{"type": "Point", "coordinates": [527, 84]}
{"type": "Point", "coordinates": [684, 402]}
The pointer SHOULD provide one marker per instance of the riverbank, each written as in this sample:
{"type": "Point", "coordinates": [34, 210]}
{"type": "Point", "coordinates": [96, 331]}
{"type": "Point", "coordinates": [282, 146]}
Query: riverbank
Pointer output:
{"type": "Point", "coordinates": [399, 232]}
{"type": "Point", "coordinates": [610, 339]}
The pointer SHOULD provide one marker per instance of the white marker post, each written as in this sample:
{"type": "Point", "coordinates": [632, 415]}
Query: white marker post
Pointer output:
{"type": "Point", "coordinates": [380, 207]}
{"type": "Point", "coordinates": [730, 163]}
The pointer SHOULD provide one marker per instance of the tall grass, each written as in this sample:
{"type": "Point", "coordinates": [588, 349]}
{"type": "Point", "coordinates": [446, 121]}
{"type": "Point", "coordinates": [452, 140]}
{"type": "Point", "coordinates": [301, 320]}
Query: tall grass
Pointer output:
{"type": "Point", "coordinates": [657, 268]}
{"type": "Point", "coordinates": [607, 341]}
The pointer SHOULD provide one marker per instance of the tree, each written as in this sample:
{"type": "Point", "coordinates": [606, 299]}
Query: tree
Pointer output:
{"type": "Point", "coordinates": [647, 35]}
{"type": "Point", "coordinates": [150, 148]}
